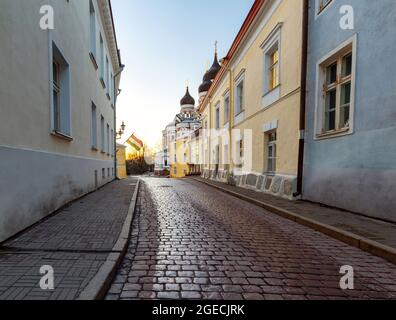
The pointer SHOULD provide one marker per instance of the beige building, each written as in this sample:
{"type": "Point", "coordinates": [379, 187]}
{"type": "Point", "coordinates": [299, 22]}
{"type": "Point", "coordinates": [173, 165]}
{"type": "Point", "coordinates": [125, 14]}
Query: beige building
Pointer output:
{"type": "Point", "coordinates": [253, 104]}
{"type": "Point", "coordinates": [186, 122]}
{"type": "Point", "coordinates": [58, 90]}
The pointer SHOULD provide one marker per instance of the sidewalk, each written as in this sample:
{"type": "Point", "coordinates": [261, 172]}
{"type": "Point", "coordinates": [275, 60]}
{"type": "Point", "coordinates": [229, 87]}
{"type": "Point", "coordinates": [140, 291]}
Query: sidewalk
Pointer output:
{"type": "Point", "coordinates": [83, 242]}
{"type": "Point", "coordinates": [374, 236]}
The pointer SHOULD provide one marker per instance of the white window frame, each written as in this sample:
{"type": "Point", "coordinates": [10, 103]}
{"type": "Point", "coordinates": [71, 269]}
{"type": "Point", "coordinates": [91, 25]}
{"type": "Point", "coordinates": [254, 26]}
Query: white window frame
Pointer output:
{"type": "Point", "coordinates": [269, 46]}
{"type": "Point", "coordinates": [102, 61]}
{"type": "Point", "coordinates": [94, 126]}
{"type": "Point", "coordinates": [107, 75]}
{"type": "Point", "coordinates": [102, 134]}
{"type": "Point", "coordinates": [239, 111]}
{"type": "Point", "coordinates": [108, 139]}
{"type": "Point", "coordinates": [226, 108]}
{"type": "Point", "coordinates": [271, 144]}
{"type": "Point", "coordinates": [319, 10]}
{"type": "Point", "coordinates": [217, 116]}
{"type": "Point", "coordinates": [349, 45]}
{"type": "Point", "coordinates": [62, 129]}
{"type": "Point", "coordinates": [92, 33]}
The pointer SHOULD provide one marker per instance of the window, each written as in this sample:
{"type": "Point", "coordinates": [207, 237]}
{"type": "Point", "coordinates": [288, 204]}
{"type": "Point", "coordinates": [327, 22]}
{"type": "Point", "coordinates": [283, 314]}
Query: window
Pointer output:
{"type": "Point", "coordinates": [107, 75]}
{"type": "Point", "coordinates": [271, 67]}
{"type": "Point", "coordinates": [103, 174]}
{"type": "Point", "coordinates": [102, 134]}
{"type": "Point", "coordinates": [271, 152]}
{"type": "Point", "coordinates": [60, 100]}
{"type": "Point", "coordinates": [92, 18]}
{"type": "Point", "coordinates": [335, 92]}
{"type": "Point", "coordinates": [226, 109]}
{"type": "Point", "coordinates": [108, 138]}
{"type": "Point", "coordinates": [322, 4]}
{"type": "Point", "coordinates": [112, 142]}
{"type": "Point", "coordinates": [274, 70]}
{"type": "Point", "coordinates": [217, 116]}
{"type": "Point", "coordinates": [112, 88]}
{"type": "Point", "coordinates": [56, 94]}
{"type": "Point", "coordinates": [102, 61]}
{"type": "Point", "coordinates": [94, 127]}
{"type": "Point", "coordinates": [239, 97]}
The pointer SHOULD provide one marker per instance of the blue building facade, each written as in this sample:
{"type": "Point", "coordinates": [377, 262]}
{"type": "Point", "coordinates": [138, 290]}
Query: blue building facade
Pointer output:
{"type": "Point", "coordinates": [350, 146]}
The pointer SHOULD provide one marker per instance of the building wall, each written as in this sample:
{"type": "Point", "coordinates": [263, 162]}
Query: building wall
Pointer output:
{"type": "Point", "coordinates": [285, 110]}
{"type": "Point", "coordinates": [356, 171]}
{"type": "Point", "coordinates": [44, 170]}
{"type": "Point", "coordinates": [284, 17]}
{"type": "Point", "coordinates": [121, 162]}
{"type": "Point", "coordinates": [180, 165]}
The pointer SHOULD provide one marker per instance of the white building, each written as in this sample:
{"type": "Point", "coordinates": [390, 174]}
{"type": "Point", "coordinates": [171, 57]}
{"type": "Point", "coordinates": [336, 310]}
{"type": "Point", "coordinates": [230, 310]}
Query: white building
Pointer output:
{"type": "Point", "coordinates": [58, 92]}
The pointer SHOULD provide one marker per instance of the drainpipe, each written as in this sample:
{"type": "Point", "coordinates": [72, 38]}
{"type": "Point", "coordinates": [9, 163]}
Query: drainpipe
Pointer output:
{"type": "Point", "coordinates": [230, 119]}
{"type": "Point", "coordinates": [115, 118]}
{"type": "Point", "coordinates": [303, 90]}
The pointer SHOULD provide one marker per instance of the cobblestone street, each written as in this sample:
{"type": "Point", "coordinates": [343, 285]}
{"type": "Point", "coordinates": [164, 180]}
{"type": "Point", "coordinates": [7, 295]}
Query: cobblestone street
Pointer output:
{"type": "Point", "coordinates": [190, 241]}
{"type": "Point", "coordinates": [75, 241]}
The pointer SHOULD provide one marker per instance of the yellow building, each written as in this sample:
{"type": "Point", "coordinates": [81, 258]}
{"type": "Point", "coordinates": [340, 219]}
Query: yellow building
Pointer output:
{"type": "Point", "coordinates": [121, 161]}
{"type": "Point", "coordinates": [253, 103]}
{"type": "Point", "coordinates": [186, 122]}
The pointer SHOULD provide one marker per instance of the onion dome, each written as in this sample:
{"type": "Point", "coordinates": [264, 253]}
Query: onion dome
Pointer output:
{"type": "Point", "coordinates": [212, 73]}
{"type": "Point", "coordinates": [187, 99]}
{"type": "Point", "coordinates": [204, 87]}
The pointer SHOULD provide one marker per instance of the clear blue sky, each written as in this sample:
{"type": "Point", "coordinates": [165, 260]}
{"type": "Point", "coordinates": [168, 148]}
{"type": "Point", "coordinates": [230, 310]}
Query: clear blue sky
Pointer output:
{"type": "Point", "coordinates": [164, 44]}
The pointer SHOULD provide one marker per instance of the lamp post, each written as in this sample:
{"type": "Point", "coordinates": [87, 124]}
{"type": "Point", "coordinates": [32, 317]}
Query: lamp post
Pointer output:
{"type": "Point", "coordinates": [121, 131]}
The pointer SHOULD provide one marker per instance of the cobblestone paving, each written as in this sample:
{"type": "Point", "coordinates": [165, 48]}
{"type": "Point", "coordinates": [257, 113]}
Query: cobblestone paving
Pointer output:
{"type": "Point", "coordinates": [376, 230]}
{"type": "Point", "coordinates": [191, 241]}
{"type": "Point", "coordinates": [75, 242]}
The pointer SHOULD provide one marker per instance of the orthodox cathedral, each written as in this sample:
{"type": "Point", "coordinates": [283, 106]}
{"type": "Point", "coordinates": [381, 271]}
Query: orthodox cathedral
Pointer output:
{"type": "Point", "coordinates": [175, 157]}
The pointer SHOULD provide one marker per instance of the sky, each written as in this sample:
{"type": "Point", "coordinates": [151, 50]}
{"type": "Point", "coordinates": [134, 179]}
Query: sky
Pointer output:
{"type": "Point", "coordinates": [165, 45]}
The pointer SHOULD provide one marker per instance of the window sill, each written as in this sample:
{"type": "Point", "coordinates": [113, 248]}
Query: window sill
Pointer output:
{"type": "Point", "coordinates": [108, 96]}
{"type": "Point", "coordinates": [103, 152]}
{"type": "Point", "coordinates": [333, 134]}
{"type": "Point", "coordinates": [103, 83]}
{"type": "Point", "coordinates": [271, 90]}
{"type": "Point", "coordinates": [271, 97]}
{"type": "Point", "coordinates": [240, 117]}
{"type": "Point", "coordinates": [93, 59]}
{"type": "Point", "coordinates": [61, 135]}
{"type": "Point", "coordinates": [94, 148]}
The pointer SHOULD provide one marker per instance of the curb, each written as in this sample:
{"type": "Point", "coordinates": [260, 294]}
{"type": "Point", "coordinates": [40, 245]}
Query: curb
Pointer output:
{"type": "Point", "coordinates": [101, 282]}
{"type": "Point", "coordinates": [370, 246]}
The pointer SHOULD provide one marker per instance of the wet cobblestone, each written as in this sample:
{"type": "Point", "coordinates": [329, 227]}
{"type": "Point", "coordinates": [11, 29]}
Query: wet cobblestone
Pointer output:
{"type": "Point", "coordinates": [190, 241]}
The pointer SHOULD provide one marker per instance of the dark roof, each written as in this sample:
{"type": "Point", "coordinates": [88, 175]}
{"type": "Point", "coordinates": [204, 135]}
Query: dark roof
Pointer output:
{"type": "Point", "coordinates": [187, 99]}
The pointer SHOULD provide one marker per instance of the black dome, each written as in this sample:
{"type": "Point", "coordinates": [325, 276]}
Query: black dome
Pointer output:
{"type": "Point", "coordinates": [207, 77]}
{"type": "Point", "coordinates": [187, 99]}
{"type": "Point", "coordinates": [212, 73]}
{"type": "Point", "coordinates": [204, 87]}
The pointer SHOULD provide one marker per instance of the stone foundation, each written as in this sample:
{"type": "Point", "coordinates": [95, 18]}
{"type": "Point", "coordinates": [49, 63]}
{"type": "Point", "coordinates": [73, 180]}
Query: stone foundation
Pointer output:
{"type": "Point", "coordinates": [283, 186]}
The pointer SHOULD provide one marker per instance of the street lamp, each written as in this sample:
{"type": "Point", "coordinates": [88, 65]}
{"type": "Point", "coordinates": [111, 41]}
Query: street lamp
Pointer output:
{"type": "Point", "coordinates": [121, 131]}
